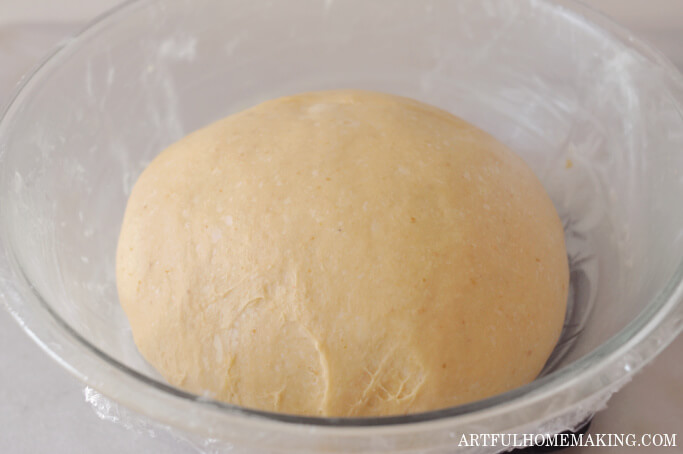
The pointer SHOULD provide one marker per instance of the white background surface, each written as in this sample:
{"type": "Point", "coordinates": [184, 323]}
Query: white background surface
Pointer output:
{"type": "Point", "coordinates": [42, 409]}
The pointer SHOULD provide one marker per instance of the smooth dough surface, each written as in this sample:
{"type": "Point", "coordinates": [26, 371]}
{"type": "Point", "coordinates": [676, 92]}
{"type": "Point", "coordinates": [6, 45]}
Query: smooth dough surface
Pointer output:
{"type": "Point", "coordinates": [342, 253]}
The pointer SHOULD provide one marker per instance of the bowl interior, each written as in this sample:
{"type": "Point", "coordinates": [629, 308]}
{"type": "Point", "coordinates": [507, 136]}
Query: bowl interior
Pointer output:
{"type": "Point", "coordinates": [593, 118]}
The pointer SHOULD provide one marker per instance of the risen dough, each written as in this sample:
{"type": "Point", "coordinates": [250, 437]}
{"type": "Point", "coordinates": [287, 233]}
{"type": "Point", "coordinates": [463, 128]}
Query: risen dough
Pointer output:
{"type": "Point", "coordinates": [342, 253]}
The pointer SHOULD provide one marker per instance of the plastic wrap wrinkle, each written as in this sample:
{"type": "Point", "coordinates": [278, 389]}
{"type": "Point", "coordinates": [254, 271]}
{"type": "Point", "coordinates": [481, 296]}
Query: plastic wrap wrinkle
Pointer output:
{"type": "Point", "coordinates": [112, 412]}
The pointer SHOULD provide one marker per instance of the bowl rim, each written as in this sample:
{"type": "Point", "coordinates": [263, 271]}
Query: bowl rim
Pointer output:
{"type": "Point", "coordinates": [648, 323]}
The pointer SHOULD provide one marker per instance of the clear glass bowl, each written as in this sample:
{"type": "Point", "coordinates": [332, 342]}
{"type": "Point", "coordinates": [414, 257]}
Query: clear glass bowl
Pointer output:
{"type": "Point", "coordinates": [596, 113]}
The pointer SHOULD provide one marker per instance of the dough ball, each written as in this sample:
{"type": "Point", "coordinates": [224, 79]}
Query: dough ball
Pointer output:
{"type": "Point", "coordinates": [342, 253]}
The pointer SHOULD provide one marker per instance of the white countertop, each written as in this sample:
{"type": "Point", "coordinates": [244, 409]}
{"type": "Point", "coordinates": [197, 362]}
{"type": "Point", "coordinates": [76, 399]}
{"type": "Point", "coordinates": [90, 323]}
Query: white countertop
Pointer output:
{"type": "Point", "coordinates": [42, 408]}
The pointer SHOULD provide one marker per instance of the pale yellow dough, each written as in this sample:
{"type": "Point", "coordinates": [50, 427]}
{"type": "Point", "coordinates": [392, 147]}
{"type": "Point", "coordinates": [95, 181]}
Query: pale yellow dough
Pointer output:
{"type": "Point", "coordinates": [342, 253]}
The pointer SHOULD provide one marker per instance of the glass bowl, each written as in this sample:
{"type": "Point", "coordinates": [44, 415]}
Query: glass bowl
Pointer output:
{"type": "Point", "coordinates": [596, 113]}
